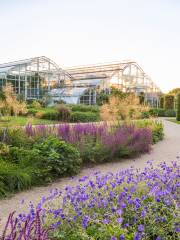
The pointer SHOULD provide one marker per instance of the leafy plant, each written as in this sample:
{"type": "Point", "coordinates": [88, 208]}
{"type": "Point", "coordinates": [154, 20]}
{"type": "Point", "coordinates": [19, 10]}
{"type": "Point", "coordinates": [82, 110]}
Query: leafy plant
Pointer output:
{"type": "Point", "coordinates": [84, 117]}
{"type": "Point", "coordinates": [13, 178]}
{"type": "Point", "coordinates": [58, 157]}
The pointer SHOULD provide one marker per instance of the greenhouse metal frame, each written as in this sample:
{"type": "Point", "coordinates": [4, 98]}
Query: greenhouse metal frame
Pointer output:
{"type": "Point", "coordinates": [126, 76]}
{"type": "Point", "coordinates": [35, 77]}
{"type": "Point", "coordinates": [32, 78]}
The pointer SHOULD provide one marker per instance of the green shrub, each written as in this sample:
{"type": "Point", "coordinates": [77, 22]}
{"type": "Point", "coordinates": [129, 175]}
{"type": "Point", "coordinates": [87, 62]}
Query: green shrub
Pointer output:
{"type": "Point", "coordinates": [157, 132]}
{"type": "Point", "coordinates": [169, 102]}
{"type": "Point", "coordinates": [84, 117]}
{"type": "Point", "coordinates": [64, 113]}
{"type": "Point", "coordinates": [15, 137]}
{"type": "Point", "coordinates": [13, 178]}
{"type": "Point", "coordinates": [32, 111]}
{"type": "Point", "coordinates": [160, 112]}
{"type": "Point", "coordinates": [58, 157]}
{"type": "Point", "coordinates": [145, 114]}
{"type": "Point", "coordinates": [84, 108]}
{"type": "Point", "coordinates": [178, 107]}
{"type": "Point", "coordinates": [170, 113]}
{"type": "Point", "coordinates": [35, 104]}
{"type": "Point", "coordinates": [49, 114]}
{"type": "Point", "coordinates": [102, 98]}
{"type": "Point", "coordinates": [92, 151]}
{"type": "Point", "coordinates": [157, 112]}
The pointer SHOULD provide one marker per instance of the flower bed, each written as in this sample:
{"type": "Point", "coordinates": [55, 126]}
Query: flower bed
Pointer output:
{"type": "Point", "coordinates": [41, 154]}
{"type": "Point", "coordinates": [129, 204]}
{"type": "Point", "coordinates": [99, 142]}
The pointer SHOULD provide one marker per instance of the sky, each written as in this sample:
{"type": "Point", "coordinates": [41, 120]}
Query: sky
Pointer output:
{"type": "Point", "coordinates": [80, 32]}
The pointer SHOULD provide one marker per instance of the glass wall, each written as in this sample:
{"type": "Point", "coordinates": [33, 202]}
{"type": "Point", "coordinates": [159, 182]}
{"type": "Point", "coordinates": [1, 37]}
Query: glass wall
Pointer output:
{"type": "Point", "coordinates": [32, 78]}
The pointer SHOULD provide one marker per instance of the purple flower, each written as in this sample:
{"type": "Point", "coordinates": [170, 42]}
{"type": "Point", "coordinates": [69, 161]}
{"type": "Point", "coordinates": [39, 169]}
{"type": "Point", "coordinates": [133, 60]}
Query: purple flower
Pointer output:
{"type": "Point", "coordinates": [113, 238]}
{"type": "Point", "coordinates": [141, 228]}
{"type": "Point", "coordinates": [137, 236]}
{"type": "Point", "coordinates": [106, 221]}
{"type": "Point", "coordinates": [121, 237]}
{"type": "Point", "coordinates": [85, 220]}
{"type": "Point", "coordinates": [119, 211]}
{"type": "Point", "coordinates": [119, 220]}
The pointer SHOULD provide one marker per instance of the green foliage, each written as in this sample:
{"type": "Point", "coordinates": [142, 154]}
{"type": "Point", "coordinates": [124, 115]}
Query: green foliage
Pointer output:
{"type": "Point", "coordinates": [12, 178]}
{"type": "Point", "coordinates": [102, 98]}
{"type": "Point", "coordinates": [49, 114]}
{"type": "Point", "coordinates": [84, 117]}
{"type": "Point", "coordinates": [66, 113]}
{"type": "Point", "coordinates": [178, 107]}
{"type": "Point", "coordinates": [92, 151]}
{"type": "Point", "coordinates": [159, 112]}
{"type": "Point", "coordinates": [162, 102]}
{"type": "Point", "coordinates": [170, 113]}
{"type": "Point", "coordinates": [15, 137]}
{"type": "Point", "coordinates": [174, 91]}
{"type": "Point", "coordinates": [23, 166]}
{"type": "Point", "coordinates": [84, 108]}
{"type": "Point", "coordinates": [59, 157]}
{"type": "Point", "coordinates": [145, 114]}
{"type": "Point", "coordinates": [118, 93]}
{"type": "Point", "coordinates": [32, 111]}
{"type": "Point", "coordinates": [169, 102]}
{"type": "Point", "coordinates": [35, 104]}
{"type": "Point", "coordinates": [27, 161]}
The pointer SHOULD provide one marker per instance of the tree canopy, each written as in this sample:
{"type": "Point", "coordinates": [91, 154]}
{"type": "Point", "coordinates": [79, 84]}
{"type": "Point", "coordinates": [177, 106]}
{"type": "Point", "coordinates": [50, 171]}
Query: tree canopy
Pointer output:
{"type": "Point", "coordinates": [175, 91]}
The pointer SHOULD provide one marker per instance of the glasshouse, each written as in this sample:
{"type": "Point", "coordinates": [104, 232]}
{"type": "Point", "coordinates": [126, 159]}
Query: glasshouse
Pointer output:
{"type": "Point", "coordinates": [33, 78]}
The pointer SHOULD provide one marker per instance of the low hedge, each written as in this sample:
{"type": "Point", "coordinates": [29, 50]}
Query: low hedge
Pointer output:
{"type": "Point", "coordinates": [158, 112]}
{"type": "Point", "coordinates": [71, 113]}
{"type": "Point", "coordinates": [49, 114]}
{"type": "Point", "coordinates": [84, 117]}
{"type": "Point", "coordinates": [84, 108]}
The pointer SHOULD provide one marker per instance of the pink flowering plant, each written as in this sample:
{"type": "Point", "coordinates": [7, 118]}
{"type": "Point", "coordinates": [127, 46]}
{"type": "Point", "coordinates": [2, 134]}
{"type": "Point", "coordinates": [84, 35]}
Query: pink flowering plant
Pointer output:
{"type": "Point", "coordinates": [130, 204]}
{"type": "Point", "coordinates": [99, 142]}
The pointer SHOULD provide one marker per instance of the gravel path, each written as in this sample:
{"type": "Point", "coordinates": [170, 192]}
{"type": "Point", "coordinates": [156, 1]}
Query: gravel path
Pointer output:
{"type": "Point", "coordinates": [166, 150]}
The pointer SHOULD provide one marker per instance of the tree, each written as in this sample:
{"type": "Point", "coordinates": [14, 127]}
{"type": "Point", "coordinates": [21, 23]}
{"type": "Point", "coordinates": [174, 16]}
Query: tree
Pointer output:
{"type": "Point", "coordinates": [174, 91]}
{"type": "Point", "coordinates": [169, 102]}
{"type": "Point", "coordinates": [178, 107]}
